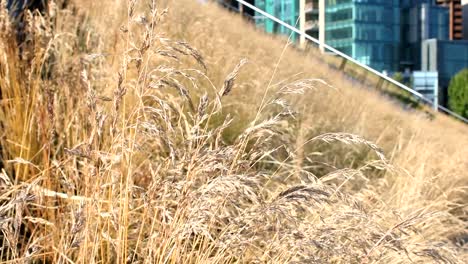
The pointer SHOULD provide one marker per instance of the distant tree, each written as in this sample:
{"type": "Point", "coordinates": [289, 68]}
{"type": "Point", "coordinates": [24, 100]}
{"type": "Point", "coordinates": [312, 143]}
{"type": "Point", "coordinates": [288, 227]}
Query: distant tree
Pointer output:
{"type": "Point", "coordinates": [458, 93]}
{"type": "Point", "coordinates": [398, 76]}
{"type": "Point", "coordinates": [401, 78]}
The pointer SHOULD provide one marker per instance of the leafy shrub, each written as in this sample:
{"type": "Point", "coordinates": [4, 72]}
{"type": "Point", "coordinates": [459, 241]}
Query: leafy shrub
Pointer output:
{"type": "Point", "coordinates": [458, 93]}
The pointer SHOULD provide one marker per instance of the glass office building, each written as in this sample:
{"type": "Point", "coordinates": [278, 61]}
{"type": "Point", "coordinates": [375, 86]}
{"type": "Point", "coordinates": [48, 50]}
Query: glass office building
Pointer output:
{"type": "Point", "coordinates": [390, 35]}
{"type": "Point", "coordinates": [285, 10]}
{"type": "Point", "coordinates": [367, 30]}
{"type": "Point", "coordinates": [445, 57]}
{"type": "Point", "coordinates": [384, 34]}
{"type": "Point", "coordinates": [420, 20]}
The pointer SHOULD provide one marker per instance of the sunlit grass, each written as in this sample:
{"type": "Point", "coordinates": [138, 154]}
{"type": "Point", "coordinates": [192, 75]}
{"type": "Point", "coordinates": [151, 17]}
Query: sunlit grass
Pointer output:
{"type": "Point", "coordinates": [136, 133]}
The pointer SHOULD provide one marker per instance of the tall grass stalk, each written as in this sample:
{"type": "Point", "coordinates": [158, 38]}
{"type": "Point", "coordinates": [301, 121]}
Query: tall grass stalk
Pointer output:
{"type": "Point", "coordinates": [131, 136]}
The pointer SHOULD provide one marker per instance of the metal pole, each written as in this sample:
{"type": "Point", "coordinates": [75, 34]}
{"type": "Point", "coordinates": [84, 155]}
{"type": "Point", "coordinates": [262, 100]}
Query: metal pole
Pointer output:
{"type": "Point", "coordinates": [322, 25]}
{"type": "Point", "coordinates": [302, 21]}
{"type": "Point", "coordinates": [436, 93]}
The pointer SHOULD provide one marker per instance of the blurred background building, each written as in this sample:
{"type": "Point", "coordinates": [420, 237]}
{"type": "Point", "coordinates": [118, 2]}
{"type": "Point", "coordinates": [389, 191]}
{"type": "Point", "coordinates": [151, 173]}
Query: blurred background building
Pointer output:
{"type": "Point", "coordinates": [285, 10]}
{"type": "Point", "coordinates": [465, 19]}
{"type": "Point", "coordinates": [368, 31]}
{"type": "Point", "coordinates": [455, 21]}
{"type": "Point", "coordinates": [388, 35]}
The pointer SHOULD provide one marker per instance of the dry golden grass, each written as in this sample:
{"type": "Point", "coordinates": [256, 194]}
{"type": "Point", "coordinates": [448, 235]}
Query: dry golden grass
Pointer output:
{"type": "Point", "coordinates": [136, 133]}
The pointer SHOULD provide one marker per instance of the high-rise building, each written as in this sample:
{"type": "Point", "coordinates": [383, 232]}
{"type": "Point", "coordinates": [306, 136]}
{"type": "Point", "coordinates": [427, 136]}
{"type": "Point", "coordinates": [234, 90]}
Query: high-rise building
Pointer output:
{"type": "Point", "coordinates": [311, 12]}
{"type": "Point", "coordinates": [302, 14]}
{"type": "Point", "coordinates": [465, 19]}
{"type": "Point", "coordinates": [390, 35]}
{"type": "Point", "coordinates": [445, 57]}
{"type": "Point", "coordinates": [456, 20]}
{"type": "Point", "coordinates": [312, 19]}
{"type": "Point", "coordinates": [384, 34]}
{"type": "Point", "coordinates": [286, 10]}
{"type": "Point", "coordinates": [368, 31]}
{"type": "Point", "coordinates": [420, 20]}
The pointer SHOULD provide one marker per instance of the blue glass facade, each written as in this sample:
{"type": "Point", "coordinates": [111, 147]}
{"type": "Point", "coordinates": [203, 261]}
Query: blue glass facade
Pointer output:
{"type": "Point", "coordinates": [285, 10]}
{"type": "Point", "coordinates": [367, 30]}
{"type": "Point", "coordinates": [384, 34]}
{"type": "Point", "coordinates": [420, 20]}
{"type": "Point", "coordinates": [446, 57]}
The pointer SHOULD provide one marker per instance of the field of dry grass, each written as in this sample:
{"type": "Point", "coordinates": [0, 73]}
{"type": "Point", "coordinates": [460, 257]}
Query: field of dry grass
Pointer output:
{"type": "Point", "coordinates": [139, 131]}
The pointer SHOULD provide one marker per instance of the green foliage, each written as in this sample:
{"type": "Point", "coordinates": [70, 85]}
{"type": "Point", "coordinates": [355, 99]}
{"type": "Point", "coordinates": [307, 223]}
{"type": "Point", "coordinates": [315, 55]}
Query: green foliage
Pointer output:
{"type": "Point", "coordinates": [398, 76]}
{"type": "Point", "coordinates": [458, 93]}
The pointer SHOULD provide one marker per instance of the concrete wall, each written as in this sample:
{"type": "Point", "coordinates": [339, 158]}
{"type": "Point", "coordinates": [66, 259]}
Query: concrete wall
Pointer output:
{"type": "Point", "coordinates": [429, 60]}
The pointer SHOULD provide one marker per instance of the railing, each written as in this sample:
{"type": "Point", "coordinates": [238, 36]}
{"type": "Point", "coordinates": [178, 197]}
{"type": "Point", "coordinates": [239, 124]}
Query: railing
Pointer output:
{"type": "Point", "coordinates": [348, 58]}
